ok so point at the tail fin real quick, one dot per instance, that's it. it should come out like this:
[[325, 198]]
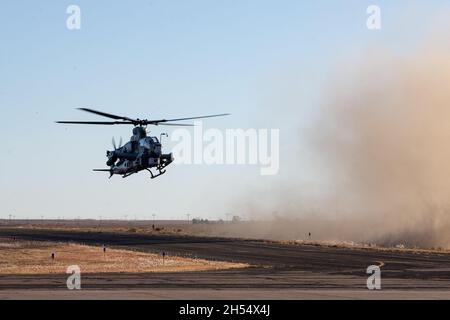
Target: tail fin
[[105, 170]]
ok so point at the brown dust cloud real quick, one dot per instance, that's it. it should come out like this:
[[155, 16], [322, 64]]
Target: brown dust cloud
[[381, 144]]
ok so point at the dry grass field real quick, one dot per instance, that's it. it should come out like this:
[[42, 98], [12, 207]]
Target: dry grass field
[[22, 258]]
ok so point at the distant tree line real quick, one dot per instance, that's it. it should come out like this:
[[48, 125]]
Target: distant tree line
[[235, 219], [200, 221]]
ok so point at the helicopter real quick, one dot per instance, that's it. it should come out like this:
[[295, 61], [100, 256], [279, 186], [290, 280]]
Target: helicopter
[[142, 152]]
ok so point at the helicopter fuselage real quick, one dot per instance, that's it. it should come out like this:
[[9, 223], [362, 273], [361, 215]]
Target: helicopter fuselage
[[140, 153]]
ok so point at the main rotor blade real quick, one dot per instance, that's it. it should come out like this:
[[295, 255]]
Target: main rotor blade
[[191, 118], [96, 122], [104, 114], [136, 122], [174, 124]]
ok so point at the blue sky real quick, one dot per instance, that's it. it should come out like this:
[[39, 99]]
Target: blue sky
[[155, 59]]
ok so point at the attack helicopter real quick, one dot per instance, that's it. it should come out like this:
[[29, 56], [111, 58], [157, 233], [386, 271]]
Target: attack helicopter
[[142, 152]]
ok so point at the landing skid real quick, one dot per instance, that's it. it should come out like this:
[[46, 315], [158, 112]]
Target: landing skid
[[160, 173], [160, 169], [153, 175]]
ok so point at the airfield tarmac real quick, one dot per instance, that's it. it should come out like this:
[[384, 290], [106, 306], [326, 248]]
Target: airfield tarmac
[[278, 271]]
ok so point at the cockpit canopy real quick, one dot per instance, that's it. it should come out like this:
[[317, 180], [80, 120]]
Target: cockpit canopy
[[149, 143]]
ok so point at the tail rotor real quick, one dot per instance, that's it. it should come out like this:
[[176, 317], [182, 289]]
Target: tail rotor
[[114, 143]]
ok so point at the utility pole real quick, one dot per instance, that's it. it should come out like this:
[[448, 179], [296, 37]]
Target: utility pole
[[188, 216], [154, 215]]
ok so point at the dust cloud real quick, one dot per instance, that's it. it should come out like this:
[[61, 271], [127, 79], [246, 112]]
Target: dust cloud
[[381, 144], [384, 139]]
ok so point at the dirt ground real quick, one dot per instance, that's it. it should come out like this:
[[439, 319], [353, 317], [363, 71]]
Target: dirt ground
[[277, 270], [28, 258]]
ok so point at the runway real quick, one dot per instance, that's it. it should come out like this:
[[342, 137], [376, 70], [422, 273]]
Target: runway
[[281, 271], [223, 294]]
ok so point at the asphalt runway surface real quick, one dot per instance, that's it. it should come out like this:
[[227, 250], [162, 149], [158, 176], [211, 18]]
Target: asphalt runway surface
[[278, 271]]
